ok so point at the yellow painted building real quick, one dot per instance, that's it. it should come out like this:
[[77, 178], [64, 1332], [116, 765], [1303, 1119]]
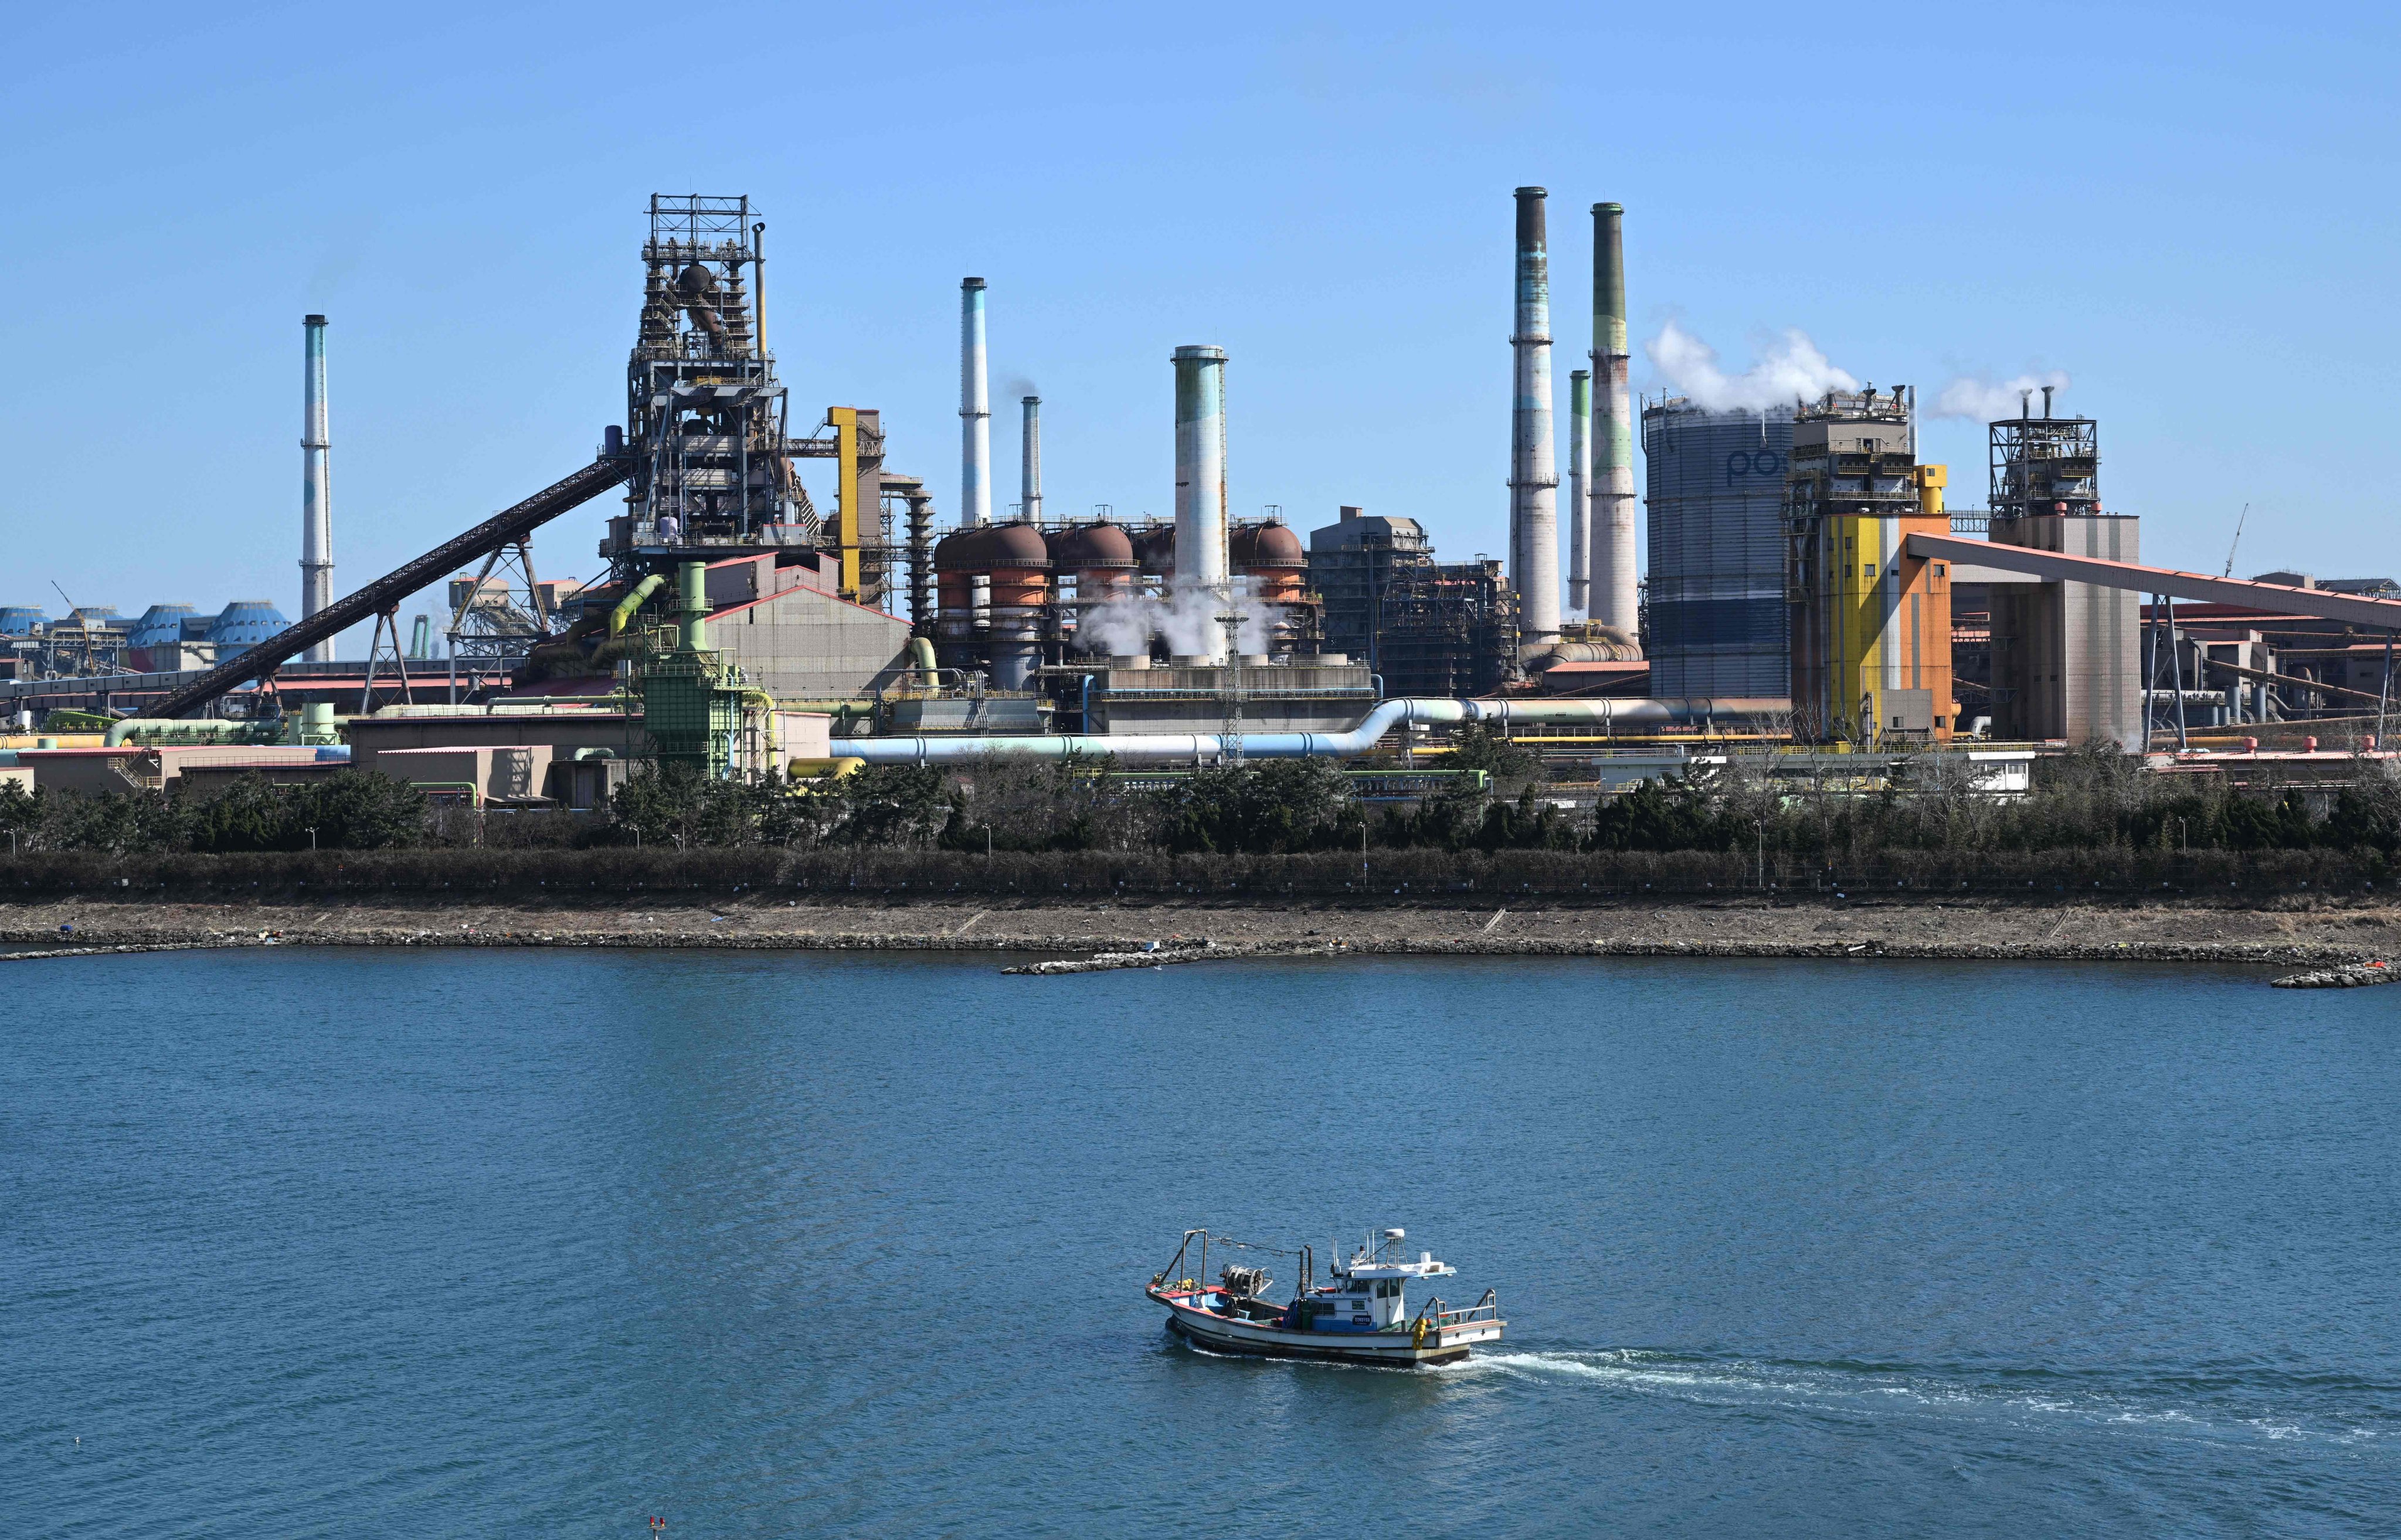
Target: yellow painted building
[[1870, 626]]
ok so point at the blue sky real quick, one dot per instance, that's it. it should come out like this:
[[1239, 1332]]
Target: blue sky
[[2189, 210]]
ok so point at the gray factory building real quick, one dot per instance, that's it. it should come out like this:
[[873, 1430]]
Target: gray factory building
[[1717, 615]]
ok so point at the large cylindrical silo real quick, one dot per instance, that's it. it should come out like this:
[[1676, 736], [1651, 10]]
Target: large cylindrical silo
[[1719, 625]]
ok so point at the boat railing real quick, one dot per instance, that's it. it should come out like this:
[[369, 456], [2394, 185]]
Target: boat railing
[[1485, 1309]]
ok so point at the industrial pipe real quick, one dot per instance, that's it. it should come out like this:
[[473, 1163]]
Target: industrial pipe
[[623, 615], [1176, 747], [692, 590], [921, 658], [119, 731]]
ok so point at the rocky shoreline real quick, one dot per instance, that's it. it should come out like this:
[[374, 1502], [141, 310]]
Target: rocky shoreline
[[2326, 933]]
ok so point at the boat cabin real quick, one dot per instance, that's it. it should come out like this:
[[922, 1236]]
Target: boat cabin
[[1368, 1292]]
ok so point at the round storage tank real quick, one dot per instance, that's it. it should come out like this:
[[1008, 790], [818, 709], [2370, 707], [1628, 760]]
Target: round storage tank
[[1155, 548], [20, 620], [162, 625], [247, 623]]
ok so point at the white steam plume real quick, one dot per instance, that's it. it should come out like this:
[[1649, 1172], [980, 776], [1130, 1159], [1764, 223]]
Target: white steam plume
[[1186, 617], [1985, 400], [1790, 368]]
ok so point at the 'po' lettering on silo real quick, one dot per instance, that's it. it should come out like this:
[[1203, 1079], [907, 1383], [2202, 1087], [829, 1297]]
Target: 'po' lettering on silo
[[1741, 465]]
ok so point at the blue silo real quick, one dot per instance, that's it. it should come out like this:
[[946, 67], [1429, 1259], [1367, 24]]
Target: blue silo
[[247, 623], [160, 625]]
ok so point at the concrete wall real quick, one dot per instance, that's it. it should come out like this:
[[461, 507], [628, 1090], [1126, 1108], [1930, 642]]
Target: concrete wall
[[802, 645], [97, 771], [804, 734], [373, 736], [494, 771]]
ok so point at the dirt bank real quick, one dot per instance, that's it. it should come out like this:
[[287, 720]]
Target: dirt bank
[[2322, 932]]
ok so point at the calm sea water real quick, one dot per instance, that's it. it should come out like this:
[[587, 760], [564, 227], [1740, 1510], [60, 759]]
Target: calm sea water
[[336, 1243]]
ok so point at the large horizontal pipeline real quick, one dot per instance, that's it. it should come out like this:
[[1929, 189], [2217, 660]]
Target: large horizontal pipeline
[[1174, 747]]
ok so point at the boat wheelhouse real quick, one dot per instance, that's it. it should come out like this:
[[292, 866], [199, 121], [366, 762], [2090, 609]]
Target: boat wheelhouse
[[1362, 1313]]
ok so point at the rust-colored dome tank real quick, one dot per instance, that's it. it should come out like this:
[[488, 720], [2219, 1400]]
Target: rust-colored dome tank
[[1021, 599], [959, 559], [1270, 555], [1155, 551], [1099, 557]]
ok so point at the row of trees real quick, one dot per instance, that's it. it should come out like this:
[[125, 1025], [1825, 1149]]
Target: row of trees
[[2096, 799], [350, 809], [2093, 801]]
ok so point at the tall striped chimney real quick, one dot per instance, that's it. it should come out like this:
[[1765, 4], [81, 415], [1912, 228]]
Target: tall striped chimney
[[316, 488], [975, 409], [1613, 600], [1200, 557], [1533, 465], [1578, 491]]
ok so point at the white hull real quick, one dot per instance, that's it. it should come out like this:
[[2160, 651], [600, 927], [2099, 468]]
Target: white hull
[[1220, 1333]]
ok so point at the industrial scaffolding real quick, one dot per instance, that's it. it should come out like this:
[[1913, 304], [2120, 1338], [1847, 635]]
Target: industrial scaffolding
[[1448, 629], [707, 419]]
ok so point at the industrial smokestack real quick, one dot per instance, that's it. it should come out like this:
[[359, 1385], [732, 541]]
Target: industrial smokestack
[[316, 488], [1613, 601], [1201, 558], [1033, 471], [1578, 491], [975, 410], [1533, 466]]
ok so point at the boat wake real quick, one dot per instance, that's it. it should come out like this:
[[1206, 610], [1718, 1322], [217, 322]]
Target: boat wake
[[2229, 1410]]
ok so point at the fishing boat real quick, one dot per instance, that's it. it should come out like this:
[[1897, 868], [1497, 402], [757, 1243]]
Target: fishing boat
[[1361, 1314]]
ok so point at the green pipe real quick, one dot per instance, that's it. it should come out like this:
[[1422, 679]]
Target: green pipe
[[693, 585], [174, 727], [623, 614], [841, 710], [921, 653], [474, 792]]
